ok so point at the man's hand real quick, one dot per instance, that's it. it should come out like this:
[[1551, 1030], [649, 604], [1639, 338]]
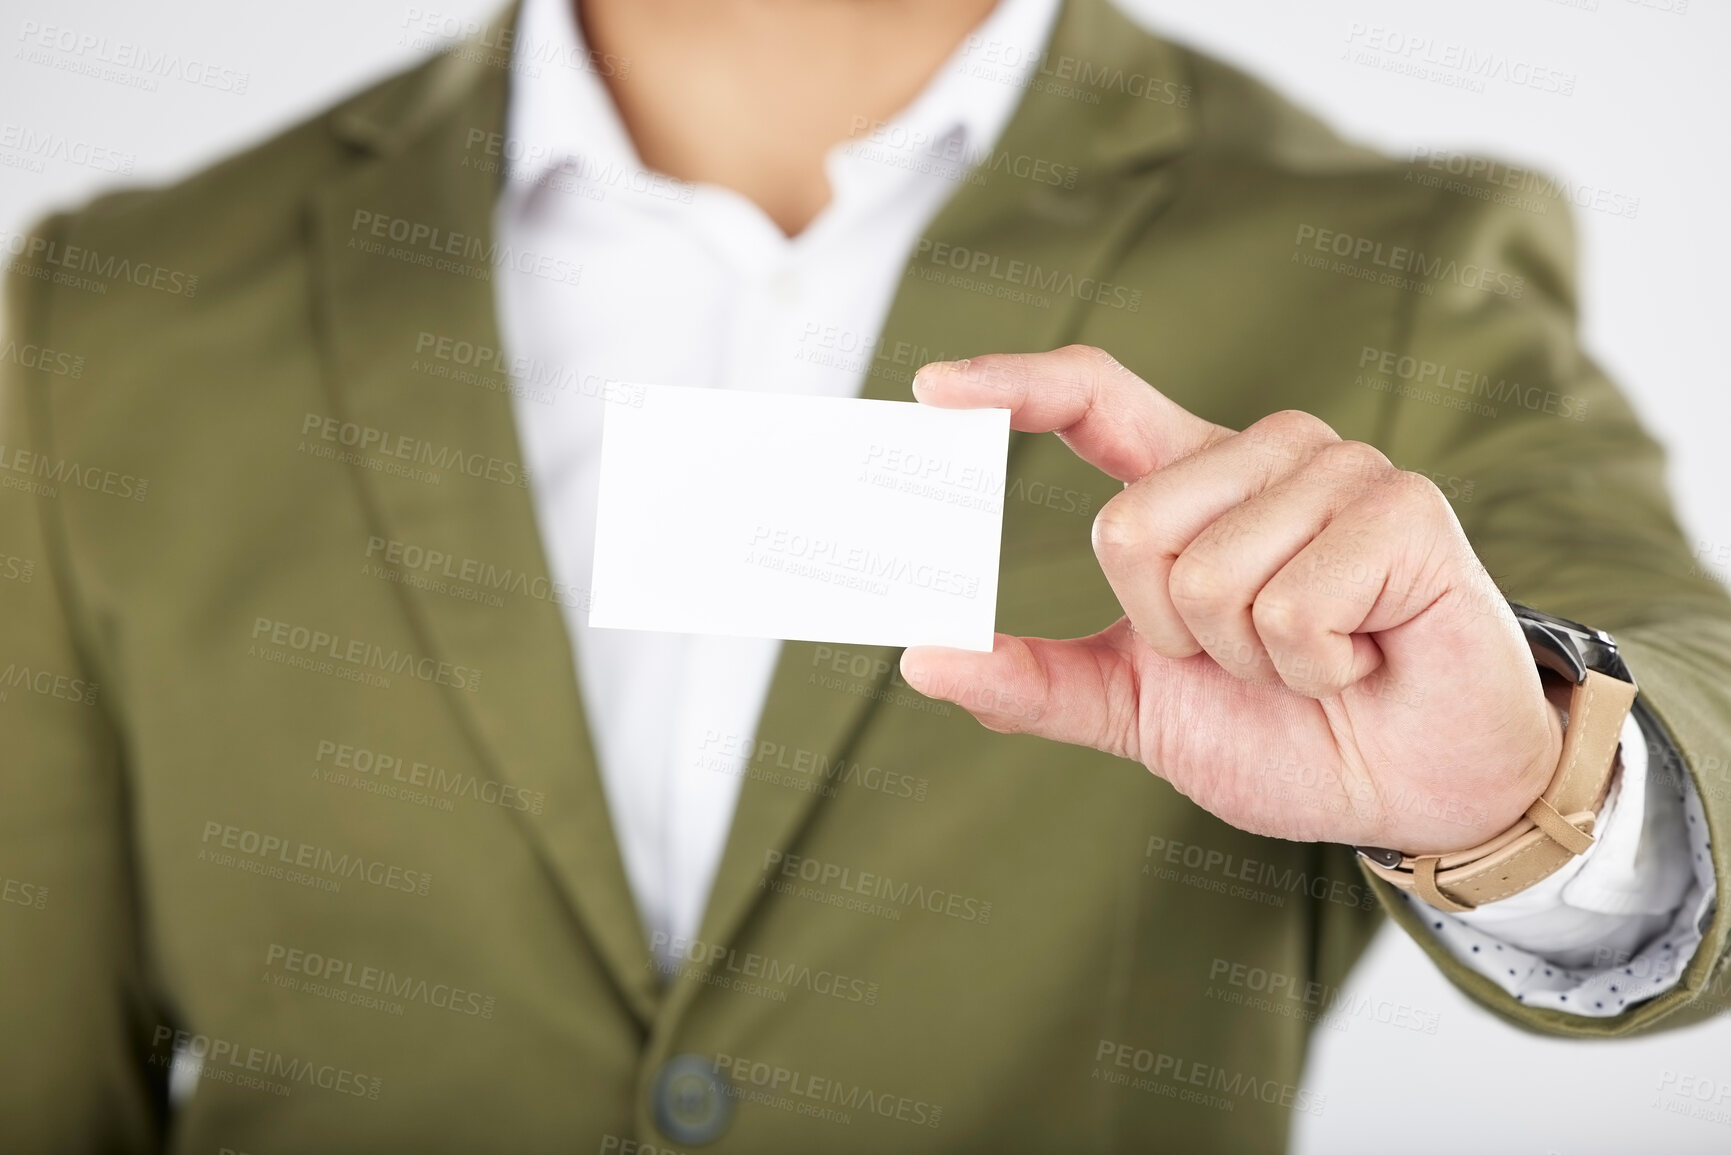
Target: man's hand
[[1310, 648]]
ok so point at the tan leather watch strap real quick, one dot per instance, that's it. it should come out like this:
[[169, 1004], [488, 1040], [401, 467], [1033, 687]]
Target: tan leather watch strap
[[1558, 825]]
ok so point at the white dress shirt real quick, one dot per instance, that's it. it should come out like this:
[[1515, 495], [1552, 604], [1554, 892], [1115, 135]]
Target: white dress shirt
[[694, 285]]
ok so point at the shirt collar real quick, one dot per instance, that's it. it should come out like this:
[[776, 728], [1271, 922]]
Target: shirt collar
[[980, 99], [561, 112], [559, 108]]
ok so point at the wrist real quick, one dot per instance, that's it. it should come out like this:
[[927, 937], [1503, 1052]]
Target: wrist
[[1523, 777], [1588, 706], [1529, 784]]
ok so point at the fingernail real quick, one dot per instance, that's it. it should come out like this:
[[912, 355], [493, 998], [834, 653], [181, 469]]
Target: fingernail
[[932, 368]]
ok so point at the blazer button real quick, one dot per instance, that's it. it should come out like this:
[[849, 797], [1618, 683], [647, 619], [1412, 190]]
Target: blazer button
[[692, 1105]]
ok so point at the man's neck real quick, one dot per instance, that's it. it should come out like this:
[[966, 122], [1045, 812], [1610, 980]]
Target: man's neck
[[751, 94]]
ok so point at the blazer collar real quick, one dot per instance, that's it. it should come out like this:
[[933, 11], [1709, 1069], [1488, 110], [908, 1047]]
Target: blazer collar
[[1107, 99], [1130, 88]]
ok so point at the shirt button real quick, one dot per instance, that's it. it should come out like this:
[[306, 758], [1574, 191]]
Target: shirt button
[[692, 1105]]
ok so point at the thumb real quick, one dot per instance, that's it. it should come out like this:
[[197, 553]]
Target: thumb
[[1081, 690]]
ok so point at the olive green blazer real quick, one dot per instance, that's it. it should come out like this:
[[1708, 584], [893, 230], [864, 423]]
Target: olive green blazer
[[296, 775]]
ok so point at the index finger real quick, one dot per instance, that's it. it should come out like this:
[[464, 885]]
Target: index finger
[[1110, 417]]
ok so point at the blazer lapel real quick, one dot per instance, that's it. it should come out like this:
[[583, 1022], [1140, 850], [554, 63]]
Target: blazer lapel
[[1064, 241], [413, 199], [377, 301]]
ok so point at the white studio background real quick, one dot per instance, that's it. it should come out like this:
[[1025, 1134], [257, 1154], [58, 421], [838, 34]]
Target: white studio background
[[1646, 120]]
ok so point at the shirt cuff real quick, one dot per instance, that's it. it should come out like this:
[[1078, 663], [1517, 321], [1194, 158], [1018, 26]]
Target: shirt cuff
[[1618, 923]]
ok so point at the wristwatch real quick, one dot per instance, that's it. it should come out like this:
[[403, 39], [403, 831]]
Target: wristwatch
[[1588, 681]]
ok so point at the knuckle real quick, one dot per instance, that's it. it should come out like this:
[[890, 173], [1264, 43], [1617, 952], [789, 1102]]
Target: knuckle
[[1308, 676], [1292, 434], [1002, 710], [1279, 617], [1354, 461], [1241, 659], [1296, 423], [998, 372], [1091, 355], [1171, 640], [1195, 580], [1074, 372], [1100, 367], [1120, 532], [1419, 494], [1084, 364], [1306, 670]]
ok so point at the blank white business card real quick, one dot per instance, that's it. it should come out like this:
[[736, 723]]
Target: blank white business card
[[804, 518]]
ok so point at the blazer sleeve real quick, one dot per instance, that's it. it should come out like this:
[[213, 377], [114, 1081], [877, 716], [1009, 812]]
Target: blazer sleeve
[[1563, 496], [74, 1073]]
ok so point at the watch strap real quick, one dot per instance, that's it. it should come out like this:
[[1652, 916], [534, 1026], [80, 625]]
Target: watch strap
[[1556, 827]]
